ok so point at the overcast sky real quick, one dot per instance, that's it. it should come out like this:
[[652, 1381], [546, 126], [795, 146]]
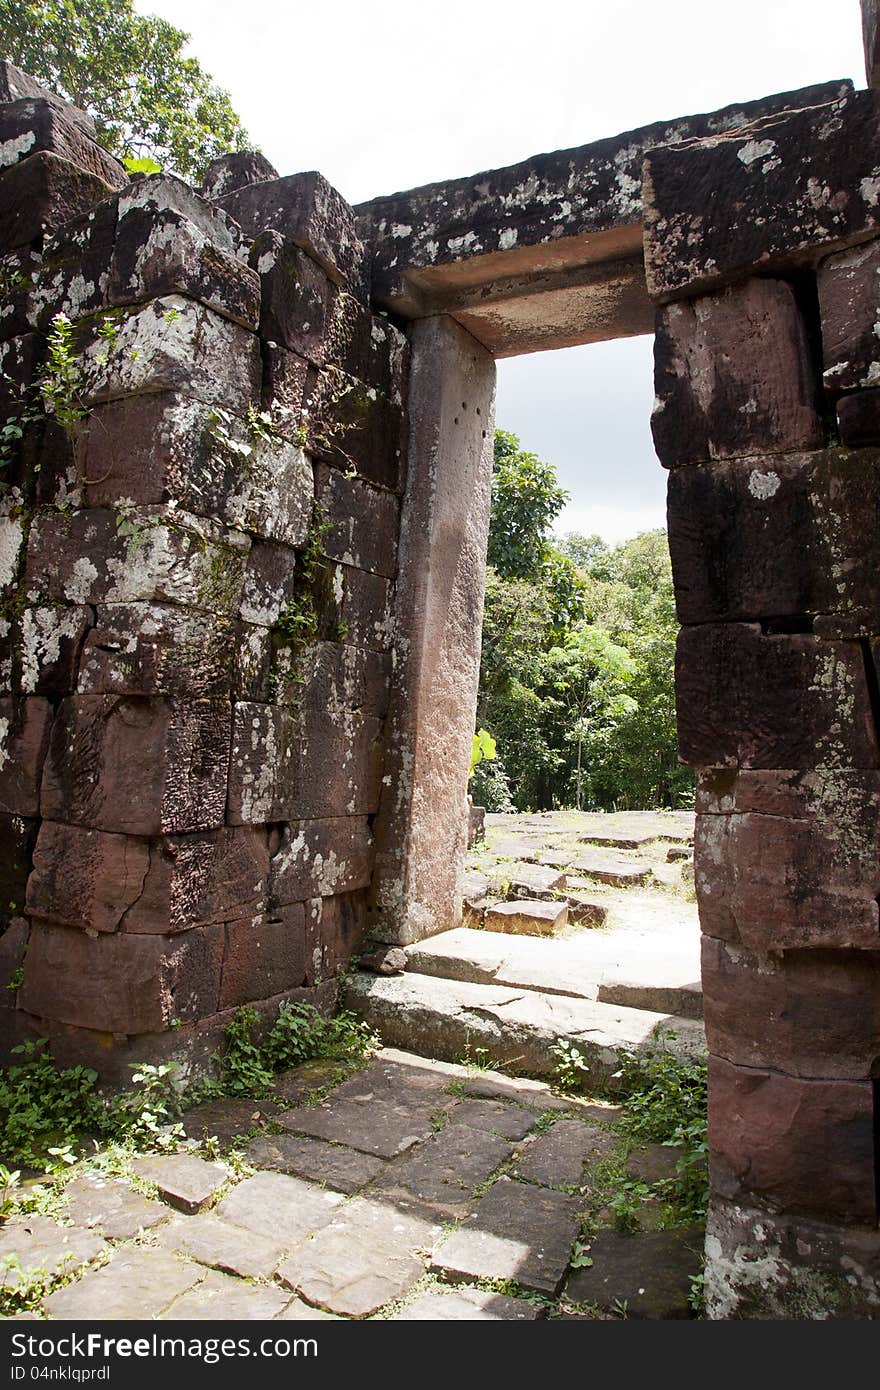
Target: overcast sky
[[384, 95]]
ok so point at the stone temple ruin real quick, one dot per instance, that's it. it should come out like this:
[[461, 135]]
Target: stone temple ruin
[[225, 764]]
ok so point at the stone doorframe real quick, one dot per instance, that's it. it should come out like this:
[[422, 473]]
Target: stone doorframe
[[749, 240]]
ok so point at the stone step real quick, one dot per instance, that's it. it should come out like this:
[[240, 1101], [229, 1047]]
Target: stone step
[[612, 968], [527, 917], [516, 1028]]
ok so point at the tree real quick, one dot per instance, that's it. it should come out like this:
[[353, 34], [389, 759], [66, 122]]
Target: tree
[[128, 71], [525, 501]]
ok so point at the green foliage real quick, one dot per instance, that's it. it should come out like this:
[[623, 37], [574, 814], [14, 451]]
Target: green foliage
[[482, 747], [301, 1033], [145, 1115], [576, 674], [44, 1107], [244, 1068], [141, 166], [9, 1184], [149, 101], [62, 379], [572, 1067], [665, 1103], [490, 787], [525, 500]]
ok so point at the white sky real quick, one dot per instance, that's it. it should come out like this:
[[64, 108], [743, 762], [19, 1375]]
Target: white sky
[[388, 94]]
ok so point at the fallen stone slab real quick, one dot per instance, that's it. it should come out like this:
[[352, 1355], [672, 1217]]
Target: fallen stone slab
[[440, 1176], [559, 1157], [380, 1127], [136, 1284], [530, 880], [184, 1181], [219, 1298], [676, 852], [467, 1305], [527, 917], [341, 1168], [38, 1243], [279, 1207], [111, 1207], [368, 1256], [586, 912], [516, 1232], [610, 868], [516, 1027], [647, 1272], [210, 1240]]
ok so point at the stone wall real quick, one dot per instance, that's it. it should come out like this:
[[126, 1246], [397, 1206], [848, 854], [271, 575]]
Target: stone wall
[[763, 252], [197, 570]]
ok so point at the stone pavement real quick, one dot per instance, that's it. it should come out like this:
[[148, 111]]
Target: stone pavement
[[413, 1189]]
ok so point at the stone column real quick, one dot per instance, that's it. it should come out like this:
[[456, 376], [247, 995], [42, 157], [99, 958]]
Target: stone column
[[765, 357], [421, 831]]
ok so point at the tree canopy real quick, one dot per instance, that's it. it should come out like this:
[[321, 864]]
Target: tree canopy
[[129, 72], [576, 678]]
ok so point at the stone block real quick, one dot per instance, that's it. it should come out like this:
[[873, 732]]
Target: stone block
[[270, 583], [102, 881], [733, 376], [183, 1180], [527, 917], [17, 836], [264, 957], [15, 84], [335, 930], [358, 603], [137, 766], [849, 299], [154, 649], [791, 1144], [320, 858], [17, 272], [75, 270], [121, 983], [858, 419], [753, 700], [218, 1244], [154, 449], [112, 1207], [800, 877], [284, 387], [41, 194], [143, 556], [650, 1273], [563, 1156], [311, 214], [265, 765], [355, 428], [33, 124], [777, 538], [160, 252], [295, 296], [781, 191], [138, 1283], [174, 344], [24, 742], [51, 640], [252, 653], [813, 1014], [368, 347], [340, 1168], [341, 771], [365, 522], [229, 172], [86, 878]]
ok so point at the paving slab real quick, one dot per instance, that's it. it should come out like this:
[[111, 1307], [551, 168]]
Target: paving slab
[[39, 1243], [510, 1121], [110, 1206], [468, 1305], [648, 1272], [293, 1086], [516, 1232], [184, 1180], [515, 1027], [369, 1255], [338, 1167], [527, 917], [279, 1207], [611, 868], [559, 1157], [297, 1311], [535, 1094], [211, 1240], [654, 1162], [375, 1126], [219, 1298], [399, 1078], [137, 1283], [226, 1119], [440, 1175]]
